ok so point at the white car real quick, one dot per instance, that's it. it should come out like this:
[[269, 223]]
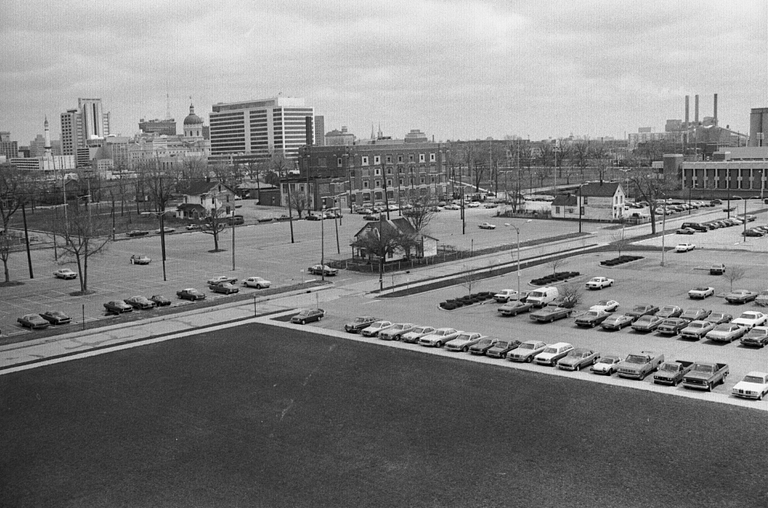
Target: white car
[[221, 279], [416, 333], [606, 365], [395, 331], [439, 337], [256, 282], [473, 204], [64, 273], [526, 351], [487, 225], [464, 341], [606, 305], [684, 247], [506, 295], [599, 283], [753, 386], [553, 353], [374, 329], [749, 319], [700, 293]]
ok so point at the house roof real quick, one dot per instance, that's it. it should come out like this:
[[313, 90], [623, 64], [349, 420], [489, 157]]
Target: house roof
[[600, 189], [400, 224], [564, 200], [199, 187], [190, 207]]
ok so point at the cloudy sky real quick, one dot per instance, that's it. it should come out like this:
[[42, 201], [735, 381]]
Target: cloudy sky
[[455, 69]]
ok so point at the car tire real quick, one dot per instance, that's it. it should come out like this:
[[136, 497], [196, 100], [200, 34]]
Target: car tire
[[578, 367], [466, 349], [529, 359], [303, 321], [709, 386]]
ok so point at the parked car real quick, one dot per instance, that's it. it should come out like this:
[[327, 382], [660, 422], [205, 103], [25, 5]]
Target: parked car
[[616, 322], [140, 259], [416, 333], [371, 217], [695, 314], [56, 317], [647, 323], [606, 365], [753, 386], [256, 282], [552, 353], [439, 337], [717, 269], [599, 283], [506, 295], [140, 302], [671, 373], [706, 375], [225, 288], [639, 365], [374, 328], [463, 341], [136, 232], [65, 273], [756, 337], [117, 307], [360, 323], [642, 310], [578, 358], [671, 326], [762, 298], [701, 292], [684, 247], [483, 345], [190, 294], [395, 331], [33, 322], [740, 296], [166, 230], [320, 269], [550, 314], [749, 319], [592, 318], [726, 332], [502, 347], [696, 329], [685, 231], [514, 308], [160, 300], [307, 316], [606, 305], [221, 278], [718, 317], [487, 225], [526, 350], [669, 311]]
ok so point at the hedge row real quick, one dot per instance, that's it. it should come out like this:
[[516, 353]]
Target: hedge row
[[555, 277], [455, 303], [619, 260]]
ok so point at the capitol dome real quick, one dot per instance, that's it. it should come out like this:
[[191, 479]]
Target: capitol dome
[[193, 124], [192, 118]]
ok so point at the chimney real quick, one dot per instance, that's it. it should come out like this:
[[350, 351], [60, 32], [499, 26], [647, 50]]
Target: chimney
[[715, 113], [687, 109], [696, 109]]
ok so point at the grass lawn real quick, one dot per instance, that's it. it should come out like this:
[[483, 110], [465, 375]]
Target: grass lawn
[[258, 416]]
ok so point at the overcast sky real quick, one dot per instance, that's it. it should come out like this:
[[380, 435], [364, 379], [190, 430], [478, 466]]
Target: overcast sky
[[453, 69]]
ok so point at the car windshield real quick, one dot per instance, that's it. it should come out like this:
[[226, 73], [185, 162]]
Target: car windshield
[[700, 289], [639, 308], [609, 359], [550, 350], [703, 368], [637, 359], [525, 345], [723, 328], [696, 325], [592, 313], [747, 315], [501, 344], [669, 367], [754, 379], [757, 333], [603, 302], [484, 342], [536, 294]]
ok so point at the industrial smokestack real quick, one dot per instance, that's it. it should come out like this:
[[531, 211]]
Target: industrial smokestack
[[715, 112], [687, 109], [696, 109]]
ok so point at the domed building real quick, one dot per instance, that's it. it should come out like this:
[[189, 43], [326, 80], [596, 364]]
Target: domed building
[[193, 124]]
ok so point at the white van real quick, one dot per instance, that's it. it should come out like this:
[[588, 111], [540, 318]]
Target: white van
[[542, 296]]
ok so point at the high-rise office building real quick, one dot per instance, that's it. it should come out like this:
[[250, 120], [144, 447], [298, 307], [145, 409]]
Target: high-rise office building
[[79, 126], [260, 127], [8, 148]]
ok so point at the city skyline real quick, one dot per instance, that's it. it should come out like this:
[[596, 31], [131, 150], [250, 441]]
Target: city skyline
[[453, 69]]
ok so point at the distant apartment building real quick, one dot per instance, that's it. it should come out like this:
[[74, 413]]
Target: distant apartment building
[[320, 130], [339, 137], [255, 129]]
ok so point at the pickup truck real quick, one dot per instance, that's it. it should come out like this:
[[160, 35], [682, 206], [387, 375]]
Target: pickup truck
[[639, 365], [705, 375], [671, 373]]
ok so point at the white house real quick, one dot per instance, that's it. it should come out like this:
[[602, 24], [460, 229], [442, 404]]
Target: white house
[[203, 199], [597, 201]]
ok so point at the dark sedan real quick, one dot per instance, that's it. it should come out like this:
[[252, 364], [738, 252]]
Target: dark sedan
[[56, 317], [320, 269], [117, 307], [592, 318], [740, 296], [308, 315], [190, 294], [671, 326], [225, 288], [482, 346], [647, 323], [33, 322], [641, 310], [160, 300], [140, 302], [514, 307], [359, 323]]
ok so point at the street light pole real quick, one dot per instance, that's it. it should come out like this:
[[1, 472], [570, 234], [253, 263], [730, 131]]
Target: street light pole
[[517, 232]]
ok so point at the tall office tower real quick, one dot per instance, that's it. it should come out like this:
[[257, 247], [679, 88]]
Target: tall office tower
[[8, 148], [320, 130], [71, 132], [95, 121], [259, 127]]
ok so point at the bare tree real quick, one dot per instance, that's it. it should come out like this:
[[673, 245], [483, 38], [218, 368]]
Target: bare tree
[[214, 224], [469, 278], [280, 166], [556, 264], [15, 190], [650, 188], [300, 202], [160, 185], [420, 215], [619, 241], [735, 274], [85, 235], [581, 156], [599, 154], [571, 294], [379, 242]]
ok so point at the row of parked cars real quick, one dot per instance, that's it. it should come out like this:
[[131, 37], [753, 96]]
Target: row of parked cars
[[690, 228], [564, 356]]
